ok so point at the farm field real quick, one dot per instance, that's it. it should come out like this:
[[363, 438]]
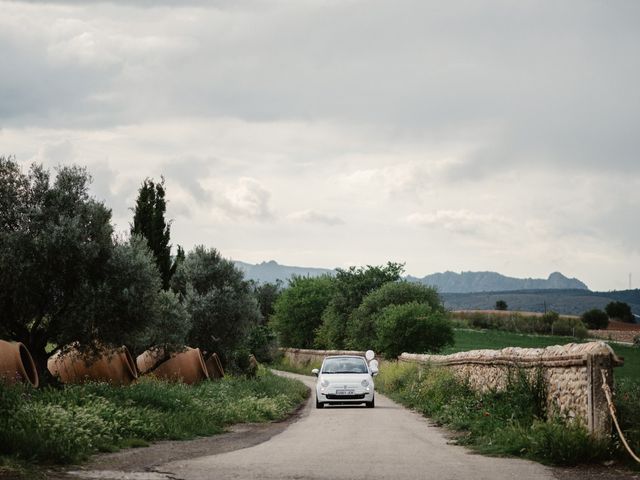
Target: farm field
[[467, 339]]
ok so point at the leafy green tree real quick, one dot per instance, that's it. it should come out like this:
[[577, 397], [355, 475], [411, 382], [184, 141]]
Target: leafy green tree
[[620, 311], [412, 327], [218, 300], [595, 319], [62, 278], [298, 310], [361, 333], [501, 305], [55, 242], [262, 342], [149, 221], [266, 295], [351, 286]]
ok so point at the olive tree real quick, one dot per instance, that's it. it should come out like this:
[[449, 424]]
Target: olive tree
[[219, 301]]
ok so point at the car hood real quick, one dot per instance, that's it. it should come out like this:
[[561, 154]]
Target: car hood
[[344, 377]]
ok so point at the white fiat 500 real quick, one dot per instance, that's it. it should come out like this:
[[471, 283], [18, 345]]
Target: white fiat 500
[[344, 380]]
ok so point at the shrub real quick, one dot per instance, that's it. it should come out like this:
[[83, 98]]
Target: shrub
[[511, 422], [261, 341], [595, 319], [501, 305], [361, 326], [620, 311], [66, 425], [412, 327], [298, 310], [570, 327]]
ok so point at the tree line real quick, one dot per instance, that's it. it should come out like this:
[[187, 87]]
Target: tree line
[[362, 308], [67, 278]]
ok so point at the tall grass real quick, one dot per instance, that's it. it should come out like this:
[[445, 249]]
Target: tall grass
[[511, 422], [60, 426]]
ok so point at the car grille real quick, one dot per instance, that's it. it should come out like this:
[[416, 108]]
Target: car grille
[[345, 397]]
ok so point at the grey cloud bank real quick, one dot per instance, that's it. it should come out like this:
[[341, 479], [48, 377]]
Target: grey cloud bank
[[471, 135]]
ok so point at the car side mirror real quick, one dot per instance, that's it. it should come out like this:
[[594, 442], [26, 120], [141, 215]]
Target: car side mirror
[[315, 371]]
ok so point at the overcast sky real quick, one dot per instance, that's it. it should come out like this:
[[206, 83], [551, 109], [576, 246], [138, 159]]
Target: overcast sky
[[469, 135]]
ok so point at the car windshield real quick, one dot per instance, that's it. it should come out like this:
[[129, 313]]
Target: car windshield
[[344, 365]]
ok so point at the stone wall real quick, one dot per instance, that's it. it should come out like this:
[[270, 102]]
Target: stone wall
[[572, 374]]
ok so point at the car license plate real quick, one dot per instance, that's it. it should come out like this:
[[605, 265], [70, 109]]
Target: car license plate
[[344, 392]]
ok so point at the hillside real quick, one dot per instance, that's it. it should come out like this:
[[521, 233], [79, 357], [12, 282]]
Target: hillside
[[568, 302], [272, 271], [467, 282]]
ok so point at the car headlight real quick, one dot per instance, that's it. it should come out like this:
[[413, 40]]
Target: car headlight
[[365, 383], [324, 383]]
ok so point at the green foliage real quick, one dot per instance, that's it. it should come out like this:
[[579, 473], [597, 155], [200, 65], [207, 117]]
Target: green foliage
[[620, 311], [351, 286], [627, 401], [412, 327], [262, 342], [570, 327], [298, 310], [218, 300], [361, 327], [522, 323], [501, 305], [55, 245], [595, 319], [149, 221], [66, 425], [266, 295], [512, 422]]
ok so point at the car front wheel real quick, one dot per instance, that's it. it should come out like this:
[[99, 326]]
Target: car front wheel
[[371, 404], [319, 404]]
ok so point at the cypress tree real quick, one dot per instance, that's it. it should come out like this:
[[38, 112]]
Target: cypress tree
[[149, 221]]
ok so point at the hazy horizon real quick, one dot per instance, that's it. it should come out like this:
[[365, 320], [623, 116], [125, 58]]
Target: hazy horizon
[[466, 136]]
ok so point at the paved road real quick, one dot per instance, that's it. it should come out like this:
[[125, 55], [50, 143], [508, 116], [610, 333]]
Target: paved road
[[388, 442]]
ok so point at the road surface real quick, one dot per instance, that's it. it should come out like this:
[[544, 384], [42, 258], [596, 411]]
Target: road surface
[[388, 442]]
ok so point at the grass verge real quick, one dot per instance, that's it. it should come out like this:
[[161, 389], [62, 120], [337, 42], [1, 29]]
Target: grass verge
[[62, 426], [304, 369], [497, 423]]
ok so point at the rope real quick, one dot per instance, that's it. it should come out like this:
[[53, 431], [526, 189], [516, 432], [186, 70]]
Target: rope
[[612, 411]]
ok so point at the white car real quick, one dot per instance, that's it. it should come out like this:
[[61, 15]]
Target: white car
[[345, 379]]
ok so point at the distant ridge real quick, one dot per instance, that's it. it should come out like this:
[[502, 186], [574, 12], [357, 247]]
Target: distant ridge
[[447, 282], [469, 282], [272, 271]]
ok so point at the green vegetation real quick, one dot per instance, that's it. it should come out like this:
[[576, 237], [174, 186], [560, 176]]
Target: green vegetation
[[595, 319], [350, 288], [549, 323], [501, 305], [303, 369], [361, 330], [411, 327], [298, 310], [149, 222], [67, 425], [498, 423], [620, 311]]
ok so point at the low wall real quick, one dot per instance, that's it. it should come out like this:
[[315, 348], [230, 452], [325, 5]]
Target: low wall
[[572, 374], [616, 335]]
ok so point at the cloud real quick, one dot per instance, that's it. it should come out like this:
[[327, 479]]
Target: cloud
[[459, 221], [312, 216], [247, 198]]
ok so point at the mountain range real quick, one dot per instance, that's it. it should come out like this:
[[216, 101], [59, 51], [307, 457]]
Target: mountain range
[[447, 282]]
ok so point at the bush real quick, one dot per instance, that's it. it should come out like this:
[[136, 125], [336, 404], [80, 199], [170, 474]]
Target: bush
[[298, 310], [261, 341], [67, 425], [510, 422], [620, 311], [570, 327], [501, 305], [361, 326], [595, 319], [412, 327]]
